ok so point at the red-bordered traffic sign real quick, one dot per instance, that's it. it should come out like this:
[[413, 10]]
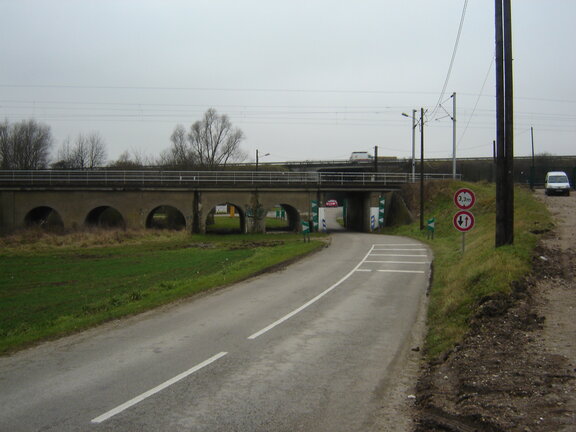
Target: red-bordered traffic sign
[[463, 221], [464, 198]]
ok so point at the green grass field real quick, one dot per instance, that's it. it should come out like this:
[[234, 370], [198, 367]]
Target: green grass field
[[53, 285], [225, 224], [461, 281]]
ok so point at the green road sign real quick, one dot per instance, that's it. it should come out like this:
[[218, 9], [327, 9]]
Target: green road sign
[[381, 208], [315, 212]]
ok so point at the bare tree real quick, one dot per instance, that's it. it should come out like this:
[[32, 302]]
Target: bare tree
[[180, 152], [214, 142], [210, 143], [133, 159], [24, 145], [5, 146], [96, 150], [65, 155], [86, 152]]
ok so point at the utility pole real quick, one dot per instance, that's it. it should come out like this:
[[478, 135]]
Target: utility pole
[[509, 110], [421, 169], [533, 168], [413, 145], [375, 159], [494, 162], [454, 135], [500, 195], [504, 125]]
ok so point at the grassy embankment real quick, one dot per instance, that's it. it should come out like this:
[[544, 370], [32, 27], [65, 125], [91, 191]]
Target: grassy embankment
[[461, 281], [52, 285]]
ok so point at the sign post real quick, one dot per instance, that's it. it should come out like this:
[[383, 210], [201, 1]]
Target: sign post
[[463, 219], [431, 226], [306, 231]]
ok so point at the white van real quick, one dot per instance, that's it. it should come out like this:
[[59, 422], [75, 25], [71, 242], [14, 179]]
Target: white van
[[557, 183]]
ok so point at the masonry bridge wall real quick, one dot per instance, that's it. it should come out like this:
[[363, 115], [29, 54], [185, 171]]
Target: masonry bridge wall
[[77, 207]]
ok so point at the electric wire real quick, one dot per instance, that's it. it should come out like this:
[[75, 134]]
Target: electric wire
[[476, 104], [454, 51]]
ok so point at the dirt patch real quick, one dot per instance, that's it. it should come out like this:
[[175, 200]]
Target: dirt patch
[[516, 370]]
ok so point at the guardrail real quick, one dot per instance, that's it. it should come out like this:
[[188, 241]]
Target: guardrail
[[202, 178]]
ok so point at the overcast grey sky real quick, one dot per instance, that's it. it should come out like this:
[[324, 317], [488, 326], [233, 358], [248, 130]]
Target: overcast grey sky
[[312, 79]]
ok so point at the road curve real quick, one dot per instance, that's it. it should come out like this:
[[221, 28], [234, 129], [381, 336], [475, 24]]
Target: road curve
[[309, 348]]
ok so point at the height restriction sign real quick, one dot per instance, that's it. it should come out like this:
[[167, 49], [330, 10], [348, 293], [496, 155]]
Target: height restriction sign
[[464, 199], [463, 221]]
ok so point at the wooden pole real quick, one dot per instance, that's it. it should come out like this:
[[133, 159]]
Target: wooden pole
[[500, 166], [509, 121]]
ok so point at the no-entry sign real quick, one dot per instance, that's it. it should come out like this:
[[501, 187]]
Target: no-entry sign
[[463, 221], [464, 199]]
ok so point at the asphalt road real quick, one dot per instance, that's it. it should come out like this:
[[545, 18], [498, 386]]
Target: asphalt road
[[310, 348]]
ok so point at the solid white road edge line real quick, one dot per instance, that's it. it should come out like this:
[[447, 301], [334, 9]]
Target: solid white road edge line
[[401, 271], [398, 244], [156, 389], [314, 300], [398, 262], [399, 249], [398, 255]]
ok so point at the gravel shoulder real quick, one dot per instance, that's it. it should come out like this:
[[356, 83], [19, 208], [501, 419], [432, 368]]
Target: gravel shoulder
[[516, 370]]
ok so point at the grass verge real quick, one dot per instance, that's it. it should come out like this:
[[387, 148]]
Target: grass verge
[[52, 285], [462, 281]]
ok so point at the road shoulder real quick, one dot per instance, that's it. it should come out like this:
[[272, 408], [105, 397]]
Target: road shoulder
[[515, 371]]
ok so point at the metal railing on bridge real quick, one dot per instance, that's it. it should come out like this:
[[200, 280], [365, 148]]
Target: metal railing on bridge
[[203, 178]]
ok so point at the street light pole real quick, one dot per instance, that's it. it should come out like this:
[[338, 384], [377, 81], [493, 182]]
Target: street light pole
[[264, 155], [454, 135], [533, 168], [413, 142]]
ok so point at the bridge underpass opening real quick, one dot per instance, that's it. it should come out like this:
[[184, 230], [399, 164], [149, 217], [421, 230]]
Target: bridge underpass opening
[[332, 212], [355, 212], [44, 217], [349, 215], [166, 217], [105, 217], [282, 217], [226, 218]]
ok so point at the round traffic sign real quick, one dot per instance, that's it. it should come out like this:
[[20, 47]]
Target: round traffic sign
[[463, 221], [464, 198]]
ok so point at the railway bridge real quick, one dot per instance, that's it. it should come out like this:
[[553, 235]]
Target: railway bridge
[[71, 199]]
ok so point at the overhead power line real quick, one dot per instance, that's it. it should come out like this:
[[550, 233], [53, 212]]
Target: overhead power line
[[454, 51]]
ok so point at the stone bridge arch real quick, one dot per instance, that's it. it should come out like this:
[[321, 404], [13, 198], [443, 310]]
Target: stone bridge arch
[[105, 217], [238, 209], [165, 217], [44, 217], [207, 201], [297, 206]]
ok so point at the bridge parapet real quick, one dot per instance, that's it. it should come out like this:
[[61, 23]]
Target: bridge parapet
[[192, 179]]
